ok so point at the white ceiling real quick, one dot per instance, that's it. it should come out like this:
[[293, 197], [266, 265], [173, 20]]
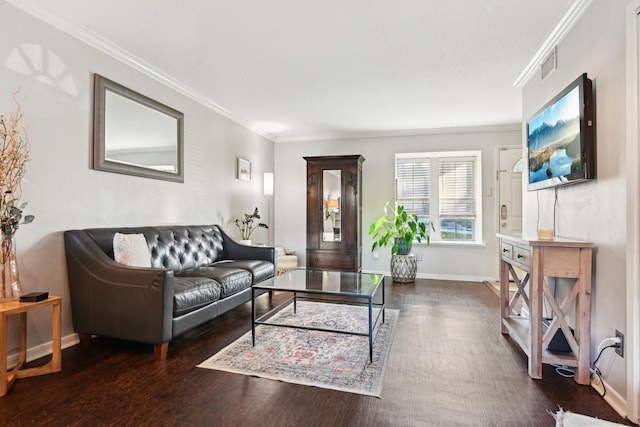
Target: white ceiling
[[301, 69]]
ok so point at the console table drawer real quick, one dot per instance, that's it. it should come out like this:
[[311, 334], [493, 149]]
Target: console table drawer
[[522, 256], [507, 251]]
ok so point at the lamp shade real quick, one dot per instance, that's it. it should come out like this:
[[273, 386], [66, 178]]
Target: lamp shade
[[332, 204], [268, 183]]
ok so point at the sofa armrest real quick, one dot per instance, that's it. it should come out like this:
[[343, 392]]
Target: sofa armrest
[[111, 299], [236, 251]]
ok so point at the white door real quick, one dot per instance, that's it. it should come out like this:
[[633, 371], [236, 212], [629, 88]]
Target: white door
[[510, 190]]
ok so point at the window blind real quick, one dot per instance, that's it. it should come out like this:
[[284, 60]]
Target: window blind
[[456, 176], [413, 185]]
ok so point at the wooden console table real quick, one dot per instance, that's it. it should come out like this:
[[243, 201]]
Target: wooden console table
[[539, 259], [21, 308]]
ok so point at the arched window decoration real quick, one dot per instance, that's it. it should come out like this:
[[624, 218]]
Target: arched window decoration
[[517, 167]]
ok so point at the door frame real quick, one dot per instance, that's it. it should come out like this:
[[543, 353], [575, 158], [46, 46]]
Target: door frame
[[632, 344]]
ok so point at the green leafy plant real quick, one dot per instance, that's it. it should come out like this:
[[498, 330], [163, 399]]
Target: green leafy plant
[[11, 216], [395, 226], [247, 226]]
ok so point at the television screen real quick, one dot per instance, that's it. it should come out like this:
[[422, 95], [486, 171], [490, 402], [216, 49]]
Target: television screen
[[560, 138]]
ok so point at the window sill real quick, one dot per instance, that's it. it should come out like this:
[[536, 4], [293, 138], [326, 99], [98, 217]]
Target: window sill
[[453, 244]]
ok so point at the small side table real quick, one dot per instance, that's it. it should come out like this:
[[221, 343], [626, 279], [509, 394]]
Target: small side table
[[21, 308]]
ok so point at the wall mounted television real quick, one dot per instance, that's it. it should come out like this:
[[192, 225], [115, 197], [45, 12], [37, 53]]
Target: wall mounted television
[[560, 138]]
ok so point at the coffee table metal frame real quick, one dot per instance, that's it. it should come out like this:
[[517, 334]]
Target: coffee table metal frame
[[320, 295]]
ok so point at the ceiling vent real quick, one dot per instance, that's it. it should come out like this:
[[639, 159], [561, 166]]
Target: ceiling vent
[[548, 66]]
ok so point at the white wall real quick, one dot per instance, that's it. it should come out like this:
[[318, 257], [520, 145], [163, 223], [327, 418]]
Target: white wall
[[439, 261], [593, 211], [55, 75]]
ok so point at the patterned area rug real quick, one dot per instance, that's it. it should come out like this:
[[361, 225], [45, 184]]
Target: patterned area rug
[[322, 359]]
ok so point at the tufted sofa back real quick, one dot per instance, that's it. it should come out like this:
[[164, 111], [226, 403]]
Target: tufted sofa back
[[178, 247]]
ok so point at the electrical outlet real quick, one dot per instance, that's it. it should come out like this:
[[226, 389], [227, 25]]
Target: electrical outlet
[[418, 256], [620, 347]]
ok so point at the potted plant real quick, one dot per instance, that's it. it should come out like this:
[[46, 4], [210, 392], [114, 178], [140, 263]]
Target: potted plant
[[399, 228], [247, 226]]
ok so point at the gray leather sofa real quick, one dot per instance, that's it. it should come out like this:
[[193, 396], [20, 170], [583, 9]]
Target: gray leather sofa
[[197, 273]]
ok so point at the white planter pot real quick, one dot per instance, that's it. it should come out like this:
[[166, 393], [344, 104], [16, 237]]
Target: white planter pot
[[403, 268], [246, 242]]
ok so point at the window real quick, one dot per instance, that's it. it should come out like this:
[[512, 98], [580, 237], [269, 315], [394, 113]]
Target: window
[[444, 188]]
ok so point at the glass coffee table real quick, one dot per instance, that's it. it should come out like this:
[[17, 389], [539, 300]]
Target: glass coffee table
[[338, 287]]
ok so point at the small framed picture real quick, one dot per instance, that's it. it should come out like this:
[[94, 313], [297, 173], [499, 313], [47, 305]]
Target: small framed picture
[[244, 169]]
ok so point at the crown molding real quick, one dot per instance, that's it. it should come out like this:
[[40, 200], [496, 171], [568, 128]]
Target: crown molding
[[94, 40], [511, 127], [568, 20]]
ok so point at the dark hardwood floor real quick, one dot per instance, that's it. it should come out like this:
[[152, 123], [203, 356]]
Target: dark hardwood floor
[[448, 366]]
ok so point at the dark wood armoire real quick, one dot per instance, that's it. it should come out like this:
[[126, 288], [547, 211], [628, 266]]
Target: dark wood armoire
[[334, 212]]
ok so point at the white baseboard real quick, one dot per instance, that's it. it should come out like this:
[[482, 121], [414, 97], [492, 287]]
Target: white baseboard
[[441, 276], [42, 350], [612, 397], [455, 277]]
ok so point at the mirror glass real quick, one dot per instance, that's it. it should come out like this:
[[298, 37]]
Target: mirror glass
[[332, 207], [136, 135]]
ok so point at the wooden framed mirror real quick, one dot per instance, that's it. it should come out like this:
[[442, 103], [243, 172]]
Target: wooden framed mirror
[[136, 135]]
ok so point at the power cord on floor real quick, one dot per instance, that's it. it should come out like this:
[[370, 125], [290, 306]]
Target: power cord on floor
[[569, 372], [595, 371], [565, 371]]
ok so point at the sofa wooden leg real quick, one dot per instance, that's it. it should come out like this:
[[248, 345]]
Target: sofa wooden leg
[[160, 351], [85, 340]]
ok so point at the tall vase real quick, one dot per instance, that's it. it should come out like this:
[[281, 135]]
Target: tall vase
[[10, 284]]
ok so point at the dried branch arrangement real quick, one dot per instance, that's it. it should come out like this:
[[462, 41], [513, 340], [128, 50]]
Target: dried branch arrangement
[[14, 154]]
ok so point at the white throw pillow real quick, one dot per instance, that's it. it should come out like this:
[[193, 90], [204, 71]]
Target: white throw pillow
[[131, 249]]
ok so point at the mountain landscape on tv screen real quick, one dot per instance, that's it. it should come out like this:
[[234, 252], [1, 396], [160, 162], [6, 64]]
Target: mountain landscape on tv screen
[[554, 149]]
